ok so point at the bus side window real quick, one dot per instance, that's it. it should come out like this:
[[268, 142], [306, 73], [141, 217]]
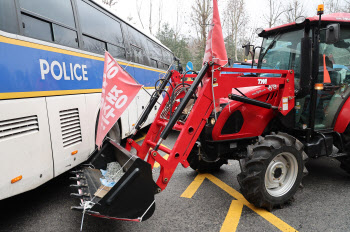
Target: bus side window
[[138, 47], [116, 51], [167, 58], [8, 17], [49, 20], [36, 28], [100, 30], [94, 45], [155, 52]]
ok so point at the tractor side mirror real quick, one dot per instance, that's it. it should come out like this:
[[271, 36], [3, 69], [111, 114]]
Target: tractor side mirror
[[332, 33], [246, 49]]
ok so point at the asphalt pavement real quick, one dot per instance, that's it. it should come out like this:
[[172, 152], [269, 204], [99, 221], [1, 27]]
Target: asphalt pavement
[[194, 202]]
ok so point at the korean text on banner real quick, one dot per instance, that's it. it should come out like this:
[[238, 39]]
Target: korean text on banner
[[215, 47], [118, 90]]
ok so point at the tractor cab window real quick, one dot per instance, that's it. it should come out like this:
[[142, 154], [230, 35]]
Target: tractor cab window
[[282, 51]]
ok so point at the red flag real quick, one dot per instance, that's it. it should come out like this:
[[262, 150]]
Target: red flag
[[215, 48], [118, 90]]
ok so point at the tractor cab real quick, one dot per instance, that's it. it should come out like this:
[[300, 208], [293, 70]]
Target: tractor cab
[[322, 74]]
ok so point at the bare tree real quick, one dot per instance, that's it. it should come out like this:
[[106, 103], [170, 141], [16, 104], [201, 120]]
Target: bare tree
[[346, 8], [234, 19], [150, 16], [201, 11], [294, 10], [333, 6], [274, 13], [138, 10], [110, 3], [160, 14]]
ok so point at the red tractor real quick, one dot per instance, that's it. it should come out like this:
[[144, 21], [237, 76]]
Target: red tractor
[[294, 106]]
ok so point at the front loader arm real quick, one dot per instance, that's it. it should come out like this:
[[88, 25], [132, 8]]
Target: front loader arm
[[222, 81], [132, 196]]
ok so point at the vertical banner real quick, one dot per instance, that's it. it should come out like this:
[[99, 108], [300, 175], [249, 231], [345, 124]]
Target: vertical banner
[[118, 90], [215, 47]]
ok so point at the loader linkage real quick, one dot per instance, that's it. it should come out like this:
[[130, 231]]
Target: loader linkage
[[188, 102]]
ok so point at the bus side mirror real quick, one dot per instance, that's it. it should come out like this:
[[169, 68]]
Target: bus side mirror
[[332, 33]]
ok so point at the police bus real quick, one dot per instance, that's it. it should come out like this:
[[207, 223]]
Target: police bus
[[51, 66]]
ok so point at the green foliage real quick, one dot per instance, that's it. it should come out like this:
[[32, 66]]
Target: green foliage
[[175, 42]]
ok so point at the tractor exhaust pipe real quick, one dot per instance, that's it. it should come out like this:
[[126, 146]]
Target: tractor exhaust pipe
[[132, 196]]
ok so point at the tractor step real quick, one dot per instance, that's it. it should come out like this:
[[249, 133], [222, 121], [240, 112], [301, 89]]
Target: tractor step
[[131, 198]]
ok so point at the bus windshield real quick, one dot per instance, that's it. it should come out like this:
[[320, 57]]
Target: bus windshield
[[282, 51]]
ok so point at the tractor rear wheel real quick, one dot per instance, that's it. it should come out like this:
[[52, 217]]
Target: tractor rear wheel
[[272, 171], [201, 163]]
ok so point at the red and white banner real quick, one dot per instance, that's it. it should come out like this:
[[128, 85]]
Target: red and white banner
[[118, 90], [215, 48]]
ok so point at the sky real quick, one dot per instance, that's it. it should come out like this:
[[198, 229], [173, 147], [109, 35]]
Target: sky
[[254, 10]]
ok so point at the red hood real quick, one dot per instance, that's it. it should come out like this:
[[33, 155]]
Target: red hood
[[335, 17]]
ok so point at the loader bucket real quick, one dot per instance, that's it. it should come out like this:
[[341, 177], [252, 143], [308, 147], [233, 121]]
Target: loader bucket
[[131, 198]]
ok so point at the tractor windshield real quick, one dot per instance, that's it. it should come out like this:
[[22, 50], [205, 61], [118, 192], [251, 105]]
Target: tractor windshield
[[282, 51]]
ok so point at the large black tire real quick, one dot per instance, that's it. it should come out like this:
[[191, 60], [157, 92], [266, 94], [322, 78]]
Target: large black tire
[[272, 171], [199, 162]]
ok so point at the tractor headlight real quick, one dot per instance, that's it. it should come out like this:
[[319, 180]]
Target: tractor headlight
[[212, 121]]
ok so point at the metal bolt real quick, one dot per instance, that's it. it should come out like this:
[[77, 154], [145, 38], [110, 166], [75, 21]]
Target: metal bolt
[[291, 71], [159, 190], [280, 108], [215, 79], [219, 68], [287, 80], [154, 153], [165, 179], [290, 98]]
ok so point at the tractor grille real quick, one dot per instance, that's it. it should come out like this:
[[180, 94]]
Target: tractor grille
[[70, 127], [18, 127]]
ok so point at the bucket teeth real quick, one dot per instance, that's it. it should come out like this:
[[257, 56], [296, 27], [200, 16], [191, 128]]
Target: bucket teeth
[[81, 186], [84, 196], [77, 178]]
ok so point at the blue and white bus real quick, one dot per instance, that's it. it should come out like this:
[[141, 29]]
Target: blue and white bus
[[51, 66]]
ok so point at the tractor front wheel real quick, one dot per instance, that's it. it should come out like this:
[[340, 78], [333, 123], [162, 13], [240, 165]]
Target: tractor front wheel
[[272, 171]]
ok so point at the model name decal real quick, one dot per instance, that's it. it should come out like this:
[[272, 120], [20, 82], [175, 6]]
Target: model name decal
[[262, 81]]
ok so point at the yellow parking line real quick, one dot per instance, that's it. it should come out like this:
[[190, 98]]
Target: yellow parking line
[[140, 139], [192, 188], [232, 217]]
